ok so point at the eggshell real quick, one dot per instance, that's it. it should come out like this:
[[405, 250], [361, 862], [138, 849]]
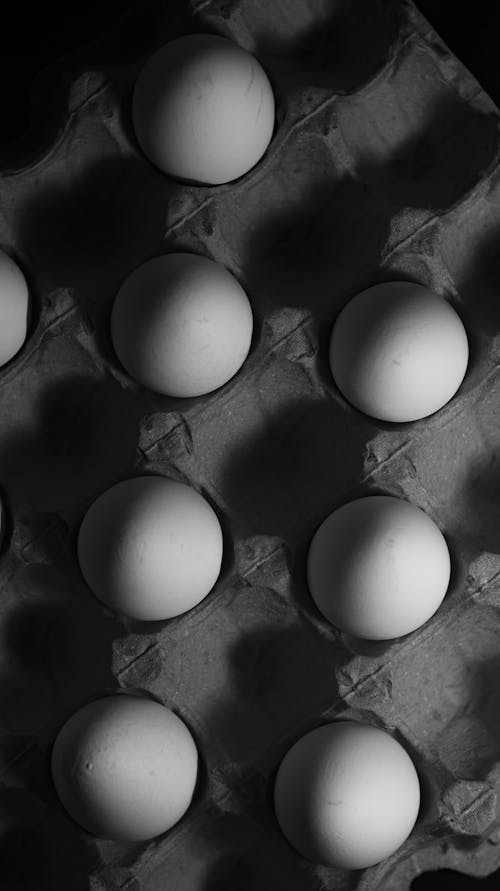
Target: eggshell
[[181, 325], [378, 567], [203, 109], [347, 795], [125, 768], [14, 301], [398, 352], [150, 547]]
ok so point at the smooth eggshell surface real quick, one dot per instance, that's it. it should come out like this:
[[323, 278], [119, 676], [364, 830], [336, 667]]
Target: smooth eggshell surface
[[378, 567], [125, 768], [203, 109], [347, 795], [14, 301], [150, 548], [398, 352], [181, 325]]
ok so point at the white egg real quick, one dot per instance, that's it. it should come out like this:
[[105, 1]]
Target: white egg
[[125, 768], [150, 548], [347, 795], [203, 109], [398, 352], [14, 300], [181, 325], [378, 567]]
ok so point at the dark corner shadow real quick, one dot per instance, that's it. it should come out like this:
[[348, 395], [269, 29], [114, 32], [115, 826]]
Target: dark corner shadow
[[320, 44], [331, 242], [38, 849], [122, 35], [450, 880]]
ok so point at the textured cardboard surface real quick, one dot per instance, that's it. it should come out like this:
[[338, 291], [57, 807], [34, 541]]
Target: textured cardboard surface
[[384, 165]]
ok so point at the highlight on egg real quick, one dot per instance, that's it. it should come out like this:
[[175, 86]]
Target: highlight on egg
[[150, 548], [125, 768], [346, 795], [378, 567], [203, 109], [398, 352], [14, 306], [181, 325]]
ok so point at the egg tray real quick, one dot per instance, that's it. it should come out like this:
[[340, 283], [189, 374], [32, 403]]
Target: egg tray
[[384, 165]]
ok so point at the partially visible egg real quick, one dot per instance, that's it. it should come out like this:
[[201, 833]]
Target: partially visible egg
[[150, 548], [398, 352], [347, 795], [14, 301], [181, 325], [203, 109], [378, 567], [125, 768]]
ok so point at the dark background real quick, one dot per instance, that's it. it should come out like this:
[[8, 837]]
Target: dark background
[[33, 41], [34, 38]]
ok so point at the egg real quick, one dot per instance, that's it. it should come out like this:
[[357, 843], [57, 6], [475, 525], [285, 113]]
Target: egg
[[181, 325], [203, 109], [125, 768], [14, 300], [398, 352], [378, 567], [150, 548], [346, 795]]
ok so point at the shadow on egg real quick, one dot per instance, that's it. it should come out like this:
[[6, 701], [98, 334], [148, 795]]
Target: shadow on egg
[[33, 313], [431, 782]]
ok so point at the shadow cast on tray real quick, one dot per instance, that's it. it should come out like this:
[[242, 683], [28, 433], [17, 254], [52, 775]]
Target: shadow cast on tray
[[319, 44], [56, 638], [303, 458], [450, 880], [88, 228], [332, 242]]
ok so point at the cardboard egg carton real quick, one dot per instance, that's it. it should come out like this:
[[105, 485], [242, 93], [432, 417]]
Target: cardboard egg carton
[[384, 165]]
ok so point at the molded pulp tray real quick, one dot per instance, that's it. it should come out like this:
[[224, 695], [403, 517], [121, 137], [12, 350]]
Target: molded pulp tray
[[384, 165]]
